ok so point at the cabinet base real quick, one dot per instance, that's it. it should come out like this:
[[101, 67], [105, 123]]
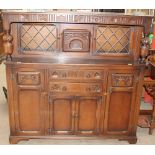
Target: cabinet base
[[16, 139]]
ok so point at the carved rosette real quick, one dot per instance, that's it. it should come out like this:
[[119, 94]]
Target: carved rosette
[[7, 43], [68, 74], [70, 88]]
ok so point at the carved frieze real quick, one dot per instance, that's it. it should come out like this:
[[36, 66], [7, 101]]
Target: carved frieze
[[7, 44], [72, 17], [76, 74], [122, 80], [80, 88], [28, 78]]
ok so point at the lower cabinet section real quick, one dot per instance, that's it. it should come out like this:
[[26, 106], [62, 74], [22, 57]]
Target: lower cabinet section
[[74, 115], [91, 108]]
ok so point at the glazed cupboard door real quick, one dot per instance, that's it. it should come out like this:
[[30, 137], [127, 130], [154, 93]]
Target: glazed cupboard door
[[61, 110], [120, 102], [87, 116], [28, 102]]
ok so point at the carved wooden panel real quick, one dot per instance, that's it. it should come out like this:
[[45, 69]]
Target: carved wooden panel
[[38, 37], [76, 74], [57, 87], [112, 39], [76, 40], [122, 80], [28, 78]]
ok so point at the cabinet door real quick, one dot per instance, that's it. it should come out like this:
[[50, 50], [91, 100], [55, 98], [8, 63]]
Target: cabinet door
[[119, 103], [87, 116], [28, 102], [61, 110]]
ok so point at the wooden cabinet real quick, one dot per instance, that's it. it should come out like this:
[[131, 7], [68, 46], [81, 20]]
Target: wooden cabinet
[[120, 102], [28, 101], [73, 76]]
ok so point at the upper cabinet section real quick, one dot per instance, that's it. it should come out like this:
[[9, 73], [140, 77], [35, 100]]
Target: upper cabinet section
[[73, 35]]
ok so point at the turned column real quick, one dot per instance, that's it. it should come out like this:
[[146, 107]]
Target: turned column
[[7, 44], [144, 49]]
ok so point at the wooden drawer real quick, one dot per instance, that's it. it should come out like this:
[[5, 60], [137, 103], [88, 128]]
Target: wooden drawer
[[76, 74], [76, 88], [122, 80], [28, 78]]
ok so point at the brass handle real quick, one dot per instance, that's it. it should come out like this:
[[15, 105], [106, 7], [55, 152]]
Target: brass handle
[[54, 74], [97, 75]]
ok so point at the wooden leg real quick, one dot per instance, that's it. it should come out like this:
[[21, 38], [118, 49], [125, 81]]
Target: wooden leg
[[150, 131], [152, 126], [15, 140], [132, 141]]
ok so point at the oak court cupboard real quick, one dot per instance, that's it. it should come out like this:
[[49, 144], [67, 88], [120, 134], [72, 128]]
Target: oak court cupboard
[[73, 75]]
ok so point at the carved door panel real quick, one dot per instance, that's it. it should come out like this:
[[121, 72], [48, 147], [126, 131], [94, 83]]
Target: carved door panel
[[119, 103], [87, 116], [61, 111], [28, 102]]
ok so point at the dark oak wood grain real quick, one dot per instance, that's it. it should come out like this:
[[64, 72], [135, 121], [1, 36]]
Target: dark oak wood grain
[[73, 75]]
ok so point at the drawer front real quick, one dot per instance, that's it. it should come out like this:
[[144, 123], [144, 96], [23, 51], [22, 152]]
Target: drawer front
[[28, 78], [76, 88], [122, 80], [76, 74]]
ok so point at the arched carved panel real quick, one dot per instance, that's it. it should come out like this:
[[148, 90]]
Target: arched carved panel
[[76, 40]]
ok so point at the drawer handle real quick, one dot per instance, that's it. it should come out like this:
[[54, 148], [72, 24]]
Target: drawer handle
[[54, 74], [97, 75]]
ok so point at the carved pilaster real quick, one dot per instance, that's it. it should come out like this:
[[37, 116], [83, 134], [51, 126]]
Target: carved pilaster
[[7, 44]]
